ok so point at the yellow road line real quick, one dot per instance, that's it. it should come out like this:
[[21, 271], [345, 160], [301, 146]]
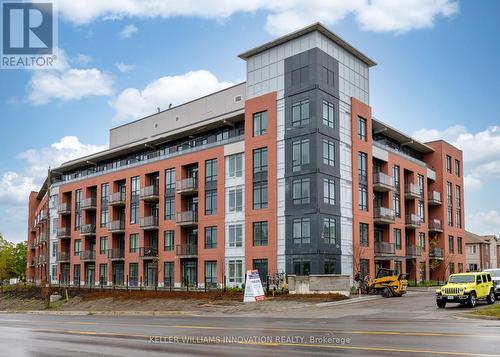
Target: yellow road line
[[280, 344]]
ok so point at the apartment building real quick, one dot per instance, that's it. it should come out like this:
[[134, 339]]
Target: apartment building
[[286, 172], [482, 252]]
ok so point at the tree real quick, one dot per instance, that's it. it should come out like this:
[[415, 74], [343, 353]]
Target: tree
[[12, 259]]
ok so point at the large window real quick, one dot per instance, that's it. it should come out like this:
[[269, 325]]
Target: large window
[[134, 243], [103, 274], [329, 266], [134, 205], [169, 239], [328, 152], [451, 246], [459, 245], [363, 234], [168, 273], [300, 113], [170, 179], [300, 75], [235, 237], [260, 195], [235, 196], [450, 203], [329, 232], [261, 266], [329, 191], [210, 237], [169, 208], [134, 274], [457, 168], [211, 170], [235, 271], [78, 212], [260, 233], [301, 266], [103, 245], [300, 154], [301, 230], [363, 197], [77, 247], [361, 129], [104, 205], [421, 240], [421, 211], [448, 163], [397, 238], [260, 160], [260, 123], [211, 272], [362, 164], [458, 209], [328, 114], [210, 202], [301, 191], [236, 165]]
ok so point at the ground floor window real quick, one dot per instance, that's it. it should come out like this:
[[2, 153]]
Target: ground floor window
[[168, 269], [262, 266], [329, 266], [103, 274], [211, 272], [76, 274], [397, 268], [235, 271], [134, 274], [301, 266], [364, 267]]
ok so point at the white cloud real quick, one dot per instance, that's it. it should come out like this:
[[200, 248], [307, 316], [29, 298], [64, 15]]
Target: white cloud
[[135, 103], [124, 67], [484, 222], [15, 188], [282, 15], [128, 31], [83, 59]]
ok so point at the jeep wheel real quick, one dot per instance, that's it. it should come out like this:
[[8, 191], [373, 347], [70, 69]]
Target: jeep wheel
[[472, 301], [441, 304], [491, 297]]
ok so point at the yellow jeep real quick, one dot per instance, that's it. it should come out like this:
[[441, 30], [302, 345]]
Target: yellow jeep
[[466, 288]]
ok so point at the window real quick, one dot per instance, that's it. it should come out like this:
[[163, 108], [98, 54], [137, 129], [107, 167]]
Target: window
[[78, 213], [211, 170], [421, 240], [421, 211], [363, 234], [328, 114], [460, 268], [363, 197], [76, 274], [301, 230], [328, 76], [236, 165], [457, 168], [397, 238], [260, 123], [451, 246], [363, 188], [398, 267], [103, 274], [168, 273], [459, 245], [170, 179], [210, 237], [77, 247], [362, 164], [235, 270], [329, 232], [329, 266], [134, 243], [300, 75], [361, 129], [395, 175], [300, 154], [260, 160], [397, 204], [134, 274], [301, 266], [472, 249], [452, 268], [329, 191], [301, 191], [103, 248], [448, 163], [259, 195], [260, 233], [261, 266], [168, 240], [364, 267], [134, 206], [210, 202], [450, 203], [211, 272], [54, 249], [328, 152], [169, 208], [300, 113], [235, 199], [53, 272], [104, 205], [458, 217], [235, 237]]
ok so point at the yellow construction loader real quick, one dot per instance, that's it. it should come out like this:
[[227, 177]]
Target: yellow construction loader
[[387, 284]]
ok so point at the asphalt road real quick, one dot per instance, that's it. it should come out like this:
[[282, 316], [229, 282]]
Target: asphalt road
[[387, 327]]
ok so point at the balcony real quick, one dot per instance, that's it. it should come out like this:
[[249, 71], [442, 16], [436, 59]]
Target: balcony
[[187, 186], [87, 230], [87, 255], [148, 252], [150, 193], [64, 208], [412, 221], [384, 248], [413, 251], [63, 232], [436, 253], [383, 215], [187, 218], [186, 250], [32, 262], [434, 198], [63, 257], [382, 182], [435, 226], [149, 223], [116, 226], [116, 254], [117, 199], [40, 260], [412, 191], [44, 214], [89, 204]]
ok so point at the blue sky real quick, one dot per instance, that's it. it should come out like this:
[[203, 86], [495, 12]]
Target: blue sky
[[438, 75]]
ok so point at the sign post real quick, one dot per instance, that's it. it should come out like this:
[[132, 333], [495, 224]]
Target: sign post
[[253, 287]]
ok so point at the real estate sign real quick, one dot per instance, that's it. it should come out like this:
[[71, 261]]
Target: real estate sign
[[253, 287]]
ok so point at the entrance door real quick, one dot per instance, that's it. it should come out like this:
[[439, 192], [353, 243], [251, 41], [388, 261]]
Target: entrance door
[[118, 273], [90, 275], [151, 271], [64, 274], [190, 272]]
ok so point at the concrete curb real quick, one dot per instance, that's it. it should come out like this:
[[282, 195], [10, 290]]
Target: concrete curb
[[101, 313], [423, 290], [349, 301]]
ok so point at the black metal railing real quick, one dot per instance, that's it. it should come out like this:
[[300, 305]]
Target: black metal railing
[[186, 250]]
